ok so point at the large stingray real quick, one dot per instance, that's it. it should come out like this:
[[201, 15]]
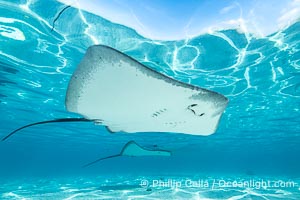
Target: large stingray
[[132, 149], [112, 89]]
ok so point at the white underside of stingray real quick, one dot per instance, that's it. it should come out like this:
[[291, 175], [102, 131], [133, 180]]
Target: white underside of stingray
[[123, 94]]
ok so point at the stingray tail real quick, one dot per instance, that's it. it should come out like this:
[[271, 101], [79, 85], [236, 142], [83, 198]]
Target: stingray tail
[[59, 14], [47, 122], [94, 162]]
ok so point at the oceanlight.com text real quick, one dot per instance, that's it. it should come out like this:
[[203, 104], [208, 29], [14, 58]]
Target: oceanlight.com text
[[219, 183]]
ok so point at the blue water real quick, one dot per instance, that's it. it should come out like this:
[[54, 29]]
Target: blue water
[[258, 137]]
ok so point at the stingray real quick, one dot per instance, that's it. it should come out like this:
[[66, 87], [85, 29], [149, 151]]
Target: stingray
[[132, 149], [112, 89]]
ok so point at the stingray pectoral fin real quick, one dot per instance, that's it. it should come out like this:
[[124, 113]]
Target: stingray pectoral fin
[[100, 159], [111, 130], [47, 122]]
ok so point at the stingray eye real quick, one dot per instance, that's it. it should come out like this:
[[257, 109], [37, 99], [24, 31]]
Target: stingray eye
[[195, 109]]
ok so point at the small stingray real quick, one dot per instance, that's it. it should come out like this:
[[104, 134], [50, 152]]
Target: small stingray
[[112, 89], [132, 149]]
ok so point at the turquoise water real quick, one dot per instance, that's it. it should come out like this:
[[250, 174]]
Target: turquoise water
[[258, 138]]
